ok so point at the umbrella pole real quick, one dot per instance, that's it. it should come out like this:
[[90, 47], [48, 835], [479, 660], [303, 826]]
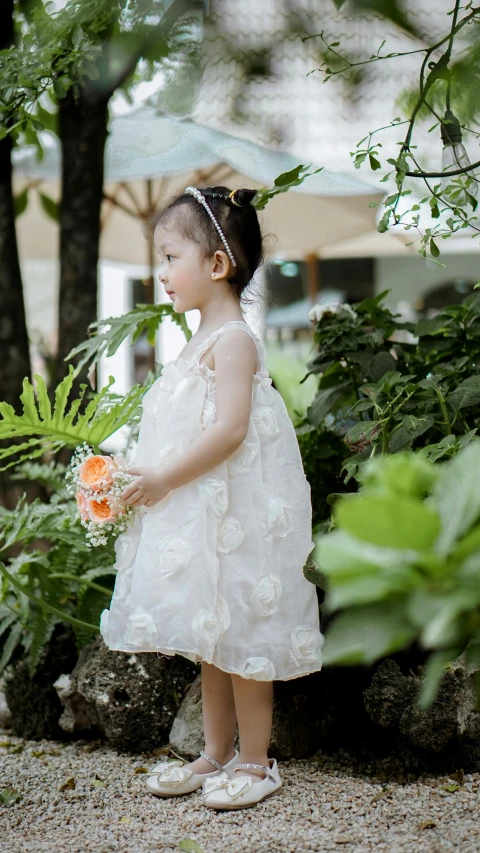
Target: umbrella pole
[[313, 276]]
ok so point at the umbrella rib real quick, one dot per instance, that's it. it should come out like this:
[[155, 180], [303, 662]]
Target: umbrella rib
[[131, 194], [116, 203]]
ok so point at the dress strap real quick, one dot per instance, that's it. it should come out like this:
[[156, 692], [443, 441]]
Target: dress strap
[[233, 324]]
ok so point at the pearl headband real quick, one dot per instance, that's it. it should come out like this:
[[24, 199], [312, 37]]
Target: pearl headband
[[202, 200]]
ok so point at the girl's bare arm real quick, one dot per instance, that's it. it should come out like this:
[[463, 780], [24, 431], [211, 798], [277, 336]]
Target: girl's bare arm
[[235, 360]]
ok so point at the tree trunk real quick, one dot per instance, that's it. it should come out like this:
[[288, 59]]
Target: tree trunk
[[83, 133], [15, 354], [14, 346]]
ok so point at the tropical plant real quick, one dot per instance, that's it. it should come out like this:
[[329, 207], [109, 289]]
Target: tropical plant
[[53, 577], [51, 430], [403, 565]]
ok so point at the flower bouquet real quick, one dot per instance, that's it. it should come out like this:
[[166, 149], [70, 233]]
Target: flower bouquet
[[97, 483]]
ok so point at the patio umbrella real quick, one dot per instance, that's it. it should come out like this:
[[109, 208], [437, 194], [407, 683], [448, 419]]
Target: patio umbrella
[[149, 157]]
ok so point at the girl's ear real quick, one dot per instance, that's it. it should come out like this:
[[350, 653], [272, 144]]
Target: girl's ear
[[220, 264]]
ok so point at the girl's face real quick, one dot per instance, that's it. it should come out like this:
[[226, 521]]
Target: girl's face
[[184, 272]]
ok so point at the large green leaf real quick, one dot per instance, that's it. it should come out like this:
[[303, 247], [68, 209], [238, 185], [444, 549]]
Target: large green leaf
[[365, 634], [63, 427], [374, 365], [466, 394], [408, 429], [324, 401], [432, 675], [389, 521], [360, 572], [456, 496]]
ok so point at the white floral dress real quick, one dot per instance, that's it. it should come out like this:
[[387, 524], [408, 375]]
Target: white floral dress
[[214, 571]]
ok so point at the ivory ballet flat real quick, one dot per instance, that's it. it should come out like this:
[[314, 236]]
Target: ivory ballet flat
[[172, 778], [224, 792]]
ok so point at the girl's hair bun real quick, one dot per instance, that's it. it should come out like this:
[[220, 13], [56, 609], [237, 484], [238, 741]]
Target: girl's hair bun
[[243, 197]]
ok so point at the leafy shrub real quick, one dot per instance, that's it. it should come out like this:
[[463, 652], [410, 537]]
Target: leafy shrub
[[403, 564], [382, 395]]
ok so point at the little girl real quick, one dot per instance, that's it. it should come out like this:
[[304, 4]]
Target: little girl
[[212, 567]]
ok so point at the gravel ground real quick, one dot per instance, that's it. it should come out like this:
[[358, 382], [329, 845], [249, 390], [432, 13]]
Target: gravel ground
[[327, 803]]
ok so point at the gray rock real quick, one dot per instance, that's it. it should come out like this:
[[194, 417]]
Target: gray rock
[[389, 694], [5, 713], [78, 714], [450, 725], [130, 698], [186, 735], [33, 700]]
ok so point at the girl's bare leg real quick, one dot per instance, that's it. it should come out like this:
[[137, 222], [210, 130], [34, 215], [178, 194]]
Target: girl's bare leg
[[254, 707], [219, 719]]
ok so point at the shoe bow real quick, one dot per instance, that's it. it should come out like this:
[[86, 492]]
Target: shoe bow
[[172, 773], [234, 787]]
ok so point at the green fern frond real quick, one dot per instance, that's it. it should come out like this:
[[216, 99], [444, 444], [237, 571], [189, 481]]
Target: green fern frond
[[89, 609], [65, 617], [105, 336], [62, 428], [10, 645], [51, 474], [6, 621], [41, 631], [100, 571], [36, 520]]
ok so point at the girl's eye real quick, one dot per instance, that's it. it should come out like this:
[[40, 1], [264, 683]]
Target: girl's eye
[[169, 257]]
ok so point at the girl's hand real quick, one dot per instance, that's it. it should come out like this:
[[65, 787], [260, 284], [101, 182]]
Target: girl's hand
[[149, 487]]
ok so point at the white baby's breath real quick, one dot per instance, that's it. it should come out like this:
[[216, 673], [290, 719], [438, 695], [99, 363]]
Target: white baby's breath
[[317, 312]]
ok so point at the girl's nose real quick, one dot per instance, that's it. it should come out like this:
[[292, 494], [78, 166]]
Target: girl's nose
[[161, 278]]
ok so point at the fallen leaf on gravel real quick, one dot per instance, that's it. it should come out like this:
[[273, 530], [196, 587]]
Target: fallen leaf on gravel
[[343, 839], [97, 782], [426, 824], [161, 750], [37, 753], [450, 788], [382, 795], [190, 846], [13, 747], [458, 775], [69, 785], [9, 796], [140, 770], [91, 747], [125, 820]]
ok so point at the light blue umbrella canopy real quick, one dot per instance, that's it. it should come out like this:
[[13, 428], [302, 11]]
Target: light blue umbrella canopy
[[150, 156]]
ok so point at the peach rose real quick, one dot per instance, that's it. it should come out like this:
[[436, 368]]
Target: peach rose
[[96, 472], [105, 509], [82, 505]]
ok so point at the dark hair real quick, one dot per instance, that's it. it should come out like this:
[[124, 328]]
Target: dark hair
[[237, 218]]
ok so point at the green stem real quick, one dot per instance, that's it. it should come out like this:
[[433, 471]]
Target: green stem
[[49, 607], [441, 400], [385, 438], [82, 581]]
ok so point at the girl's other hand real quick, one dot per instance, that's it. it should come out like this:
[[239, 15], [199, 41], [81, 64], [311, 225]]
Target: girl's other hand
[[149, 487]]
